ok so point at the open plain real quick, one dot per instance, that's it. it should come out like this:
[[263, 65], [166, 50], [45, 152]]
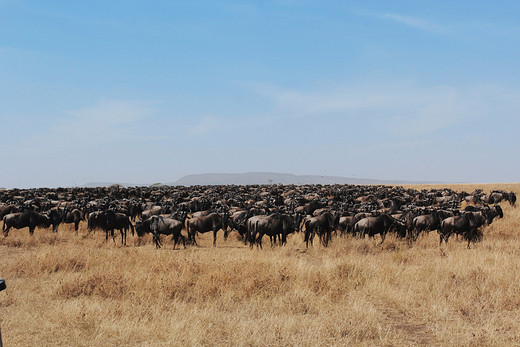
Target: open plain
[[78, 290]]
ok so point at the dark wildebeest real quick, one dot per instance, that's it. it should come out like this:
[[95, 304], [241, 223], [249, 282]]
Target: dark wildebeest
[[25, 219], [108, 221], [273, 225], [497, 196], [55, 215], [75, 216], [166, 226], [238, 222], [426, 222], [344, 225], [371, 226], [6, 209], [212, 222], [323, 225], [464, 224], [357, 217], [495, 211], [119, 221]]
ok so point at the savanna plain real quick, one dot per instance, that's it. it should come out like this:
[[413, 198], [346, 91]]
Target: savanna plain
[[78, 290]]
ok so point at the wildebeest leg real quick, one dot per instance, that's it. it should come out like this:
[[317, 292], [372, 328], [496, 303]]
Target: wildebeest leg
[[215, 238], [31, 231], [174, 240], [383, 235], [259, 240], [76, 224]]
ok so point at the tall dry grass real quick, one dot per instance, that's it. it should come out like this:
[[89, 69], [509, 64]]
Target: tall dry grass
[[73, 290]]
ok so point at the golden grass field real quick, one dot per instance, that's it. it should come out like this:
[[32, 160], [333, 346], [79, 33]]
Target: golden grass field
[[68, 290]]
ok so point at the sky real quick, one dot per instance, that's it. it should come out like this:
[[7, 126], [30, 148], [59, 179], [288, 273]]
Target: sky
[[149, 91]]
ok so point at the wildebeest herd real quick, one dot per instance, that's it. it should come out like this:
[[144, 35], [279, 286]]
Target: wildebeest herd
[[255, 211]]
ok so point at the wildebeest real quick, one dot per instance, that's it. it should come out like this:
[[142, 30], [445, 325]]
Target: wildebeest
[[321, 225], [166, 226], [108, 221], [273, 225], [375, 225], [426, 222], [75, 216], [464, 224], [25, 219], [6, 209], [203, 224]]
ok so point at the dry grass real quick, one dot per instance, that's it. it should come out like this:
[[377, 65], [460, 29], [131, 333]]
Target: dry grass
[[80, 291]]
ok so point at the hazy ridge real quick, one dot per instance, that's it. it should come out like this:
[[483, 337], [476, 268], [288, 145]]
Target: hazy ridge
[[260, 178]]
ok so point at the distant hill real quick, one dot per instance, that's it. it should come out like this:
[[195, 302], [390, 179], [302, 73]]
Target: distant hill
[[274, 178], [108, 184], [259, 178]]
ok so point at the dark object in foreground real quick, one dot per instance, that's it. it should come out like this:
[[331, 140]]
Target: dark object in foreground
[[2, 284]]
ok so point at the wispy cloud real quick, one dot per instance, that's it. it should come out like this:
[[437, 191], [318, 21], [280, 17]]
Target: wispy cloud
[[405, 110], [415, 22], [206, 125], [109, 121]]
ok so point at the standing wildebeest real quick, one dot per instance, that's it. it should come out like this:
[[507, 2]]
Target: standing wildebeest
[[344, 225], [108, 221], [321, 225], [426, 222], [24, 219], [55, 215], [166, 226], [273, 225], [212, 222], [75, 216], [375, 225], [6, 209], [464, 224]]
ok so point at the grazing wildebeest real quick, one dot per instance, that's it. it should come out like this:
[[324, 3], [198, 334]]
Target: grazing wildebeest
[[495, 211], [25, 219], [464, 224], [273, 225], [166, 226], [212, 222], [238, 222], [375, 225]]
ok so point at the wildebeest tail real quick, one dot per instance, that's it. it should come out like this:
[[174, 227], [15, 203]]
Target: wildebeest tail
[[473, 235]]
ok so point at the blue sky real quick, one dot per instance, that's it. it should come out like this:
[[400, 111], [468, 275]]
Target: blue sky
[[144, 92]]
